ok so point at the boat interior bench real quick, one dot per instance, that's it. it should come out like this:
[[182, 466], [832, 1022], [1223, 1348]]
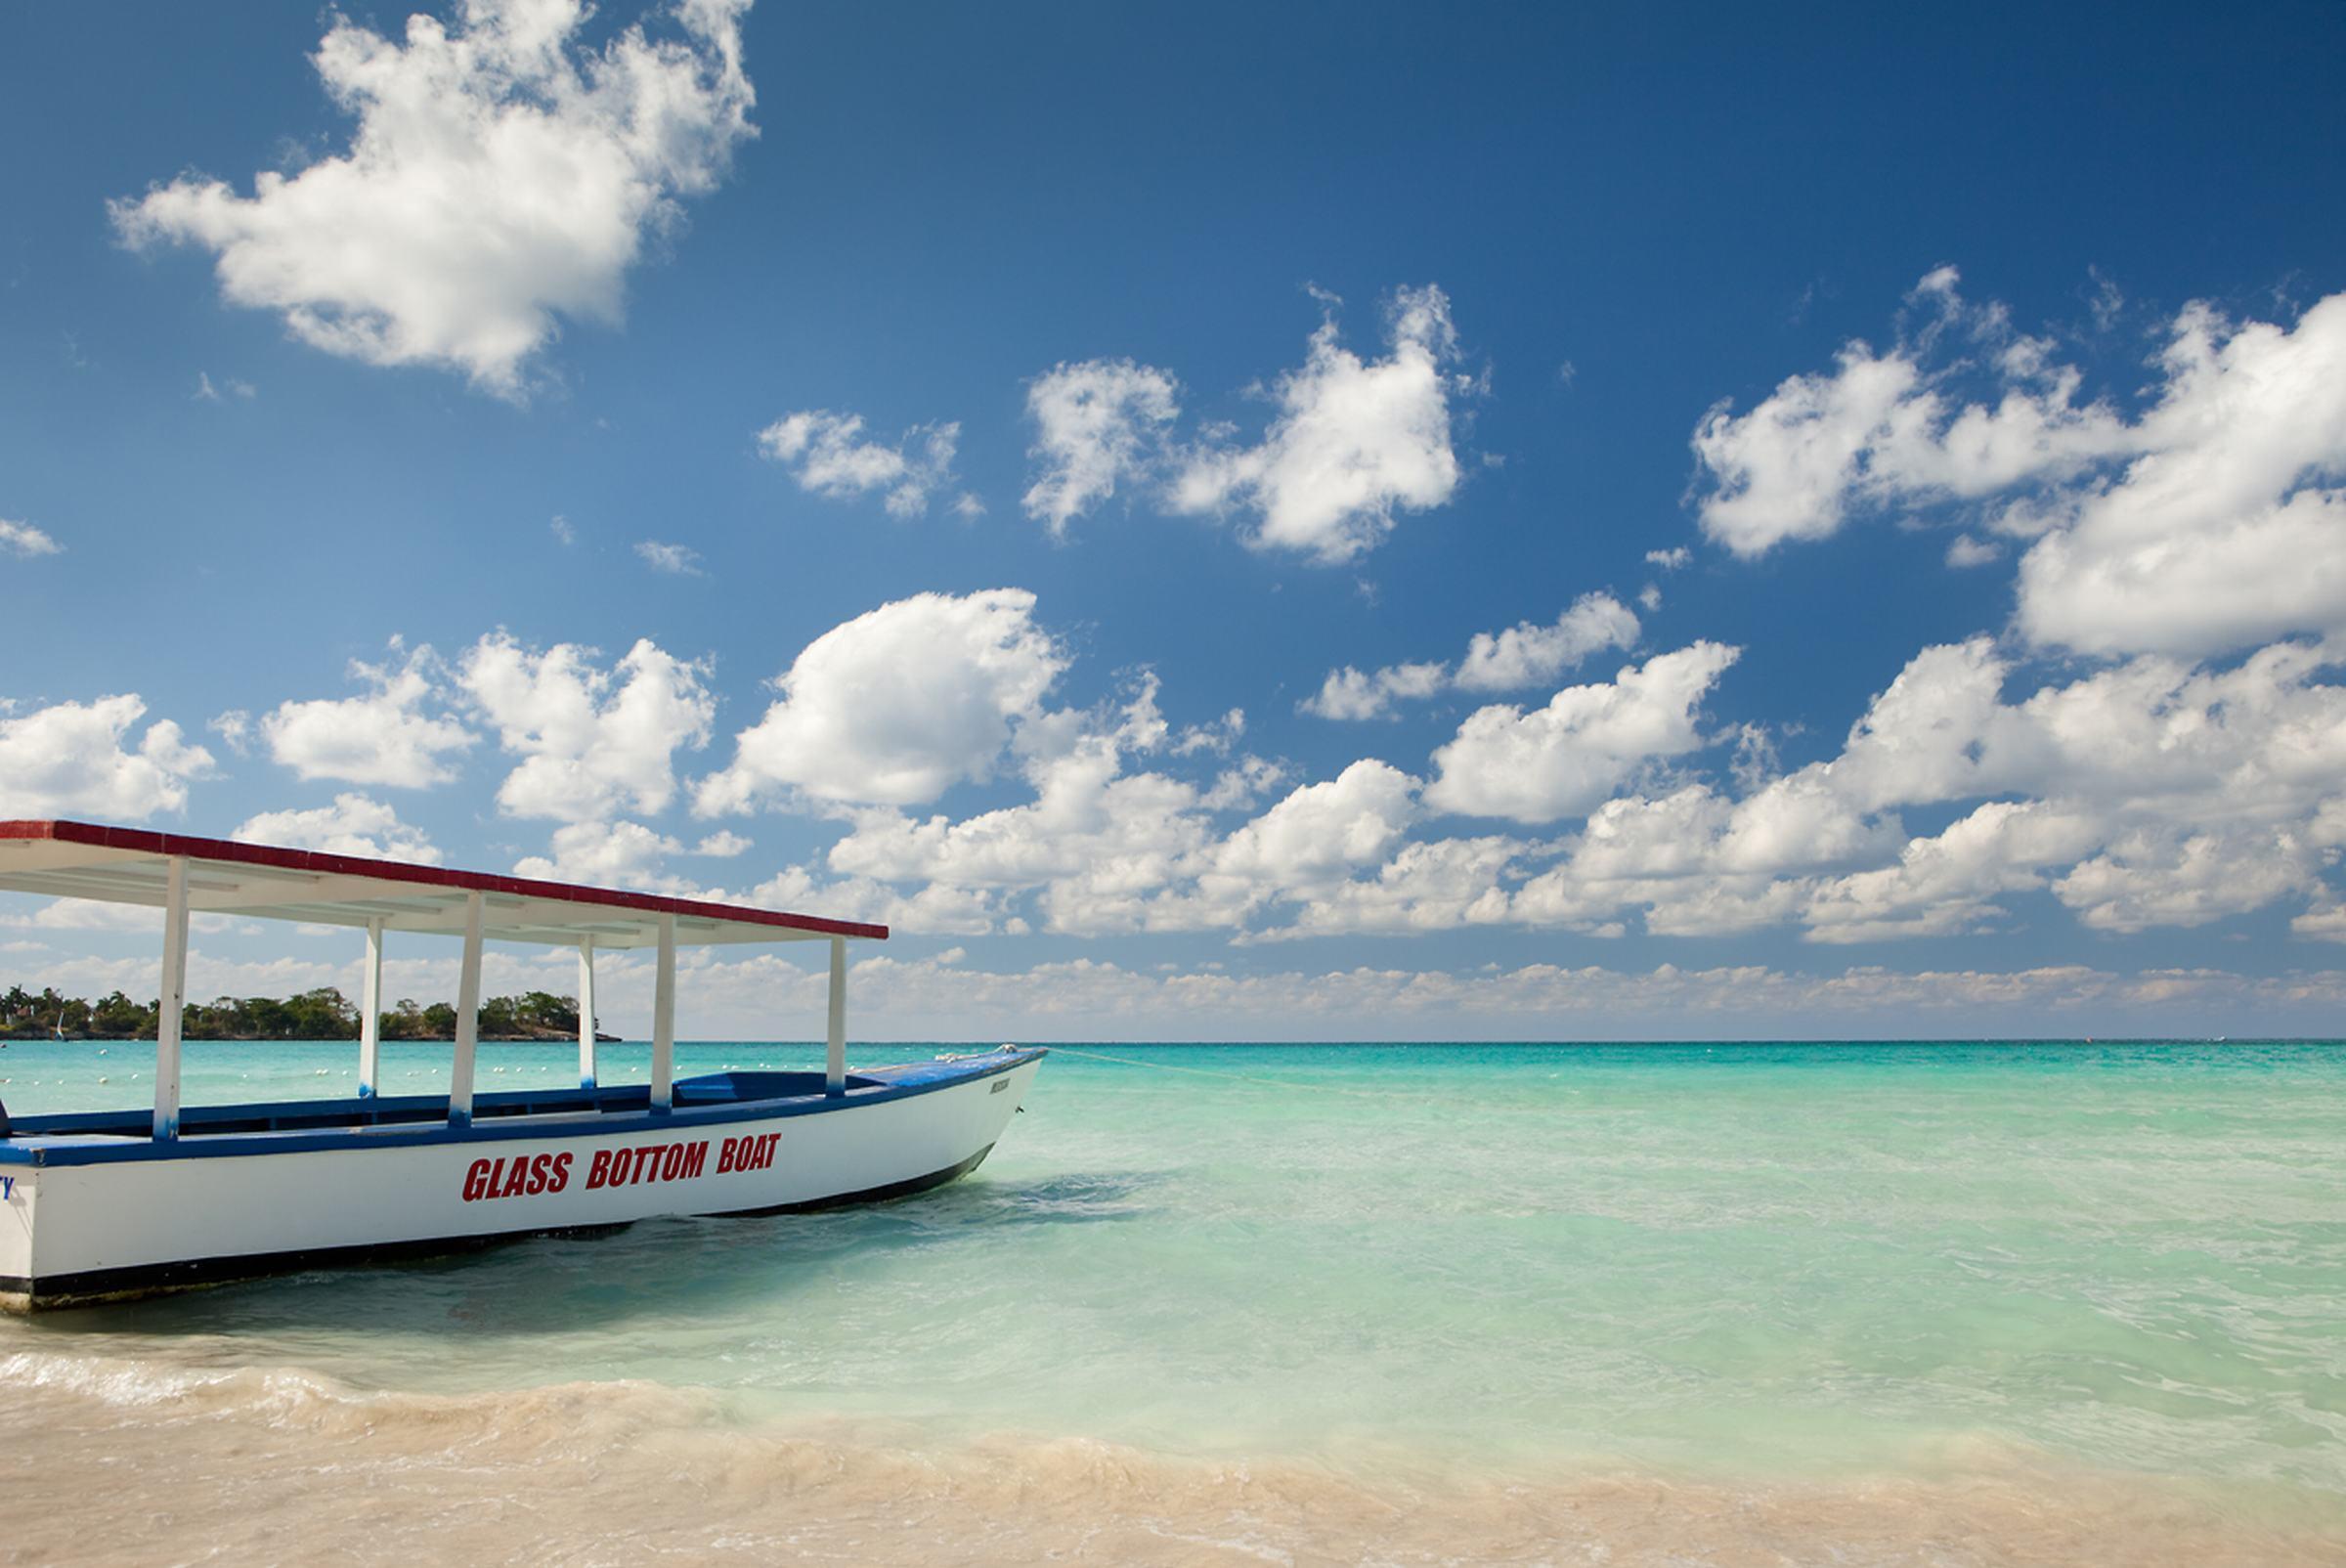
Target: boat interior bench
[[389, 1111]]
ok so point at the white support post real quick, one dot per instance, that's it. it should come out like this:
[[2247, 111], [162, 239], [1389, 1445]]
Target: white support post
[[664, 1017], [587, 1011], [835, 1059], [469, 1017], [370, 1014], [171, 1013]]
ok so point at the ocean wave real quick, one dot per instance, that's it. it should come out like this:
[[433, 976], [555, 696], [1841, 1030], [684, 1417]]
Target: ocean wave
[[310, 1404], [207, 1462]]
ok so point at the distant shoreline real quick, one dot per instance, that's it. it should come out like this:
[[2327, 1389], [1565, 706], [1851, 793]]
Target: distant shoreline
[[320, 1014]]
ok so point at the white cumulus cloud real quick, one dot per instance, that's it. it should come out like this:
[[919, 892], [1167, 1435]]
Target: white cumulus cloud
[[1098, 841], [1105, 849], [71, 758], [1965, 551], [1563, 758], [502, 177], [1528, 654], [828, 456], [1531, 654], [354, 824], [2180, 877], [2152, 793], [2229, 528], [2214, 521], [593, 741], [676, 560], [383, 737], [1354, 441], [1885, 428], [1097, 424], [1432, 884], [935, 910], [24, 540], [1351, 693], [608, 855], [1321, 832], [897, 705]]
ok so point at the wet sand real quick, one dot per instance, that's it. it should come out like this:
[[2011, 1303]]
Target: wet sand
[[115, 1462]]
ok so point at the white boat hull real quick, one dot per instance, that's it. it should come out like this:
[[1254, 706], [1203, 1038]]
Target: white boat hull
[[167, 1218]]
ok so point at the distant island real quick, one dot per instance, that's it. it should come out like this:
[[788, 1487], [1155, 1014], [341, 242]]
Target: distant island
[[324, 1013]]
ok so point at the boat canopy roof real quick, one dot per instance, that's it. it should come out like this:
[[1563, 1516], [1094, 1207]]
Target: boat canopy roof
[[131, 866]]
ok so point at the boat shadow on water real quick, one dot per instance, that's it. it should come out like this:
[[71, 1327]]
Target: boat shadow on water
[[656, 1267]]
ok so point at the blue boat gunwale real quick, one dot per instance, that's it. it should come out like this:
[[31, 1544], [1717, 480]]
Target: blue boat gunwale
[[500, 1118]]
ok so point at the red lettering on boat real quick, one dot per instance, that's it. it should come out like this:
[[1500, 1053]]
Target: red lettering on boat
[[628, 1167]]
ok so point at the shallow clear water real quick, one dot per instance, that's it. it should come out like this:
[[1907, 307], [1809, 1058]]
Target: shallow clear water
[[1751, 1273]]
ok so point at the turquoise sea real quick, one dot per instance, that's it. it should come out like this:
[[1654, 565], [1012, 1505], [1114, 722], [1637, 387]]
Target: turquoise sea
[[1848, 1303]]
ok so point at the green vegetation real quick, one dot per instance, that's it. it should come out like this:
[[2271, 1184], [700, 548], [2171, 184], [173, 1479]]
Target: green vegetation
[[324, 1013]]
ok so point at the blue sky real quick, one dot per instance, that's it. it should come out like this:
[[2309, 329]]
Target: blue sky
[[487, 483]]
